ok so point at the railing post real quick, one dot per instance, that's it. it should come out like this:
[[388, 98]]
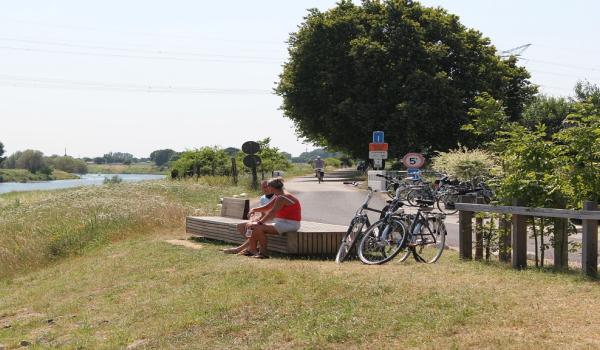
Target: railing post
[[479, 233], [465, 230], [504, 239], [589, 241], [561, 243], [519, 240]]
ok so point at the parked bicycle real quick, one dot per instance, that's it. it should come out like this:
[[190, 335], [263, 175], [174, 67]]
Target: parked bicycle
[[443, 194], [358, 224], [404, 185], [427, 234], [383, 240], [424, 238], [446, 195]]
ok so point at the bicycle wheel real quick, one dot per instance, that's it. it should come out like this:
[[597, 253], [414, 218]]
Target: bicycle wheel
[[413, 195], [406, 252], [373, 250], [429, 240], [350, 238], [446, 203], [391, 189]]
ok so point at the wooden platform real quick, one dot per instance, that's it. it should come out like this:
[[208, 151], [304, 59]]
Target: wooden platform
[[313, 238]]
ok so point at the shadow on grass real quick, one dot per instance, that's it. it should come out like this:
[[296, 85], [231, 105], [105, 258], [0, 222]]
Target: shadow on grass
[[493, 264], [548, 269], [271, 253]]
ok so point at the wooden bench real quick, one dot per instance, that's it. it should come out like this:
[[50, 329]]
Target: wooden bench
[[313, 238]]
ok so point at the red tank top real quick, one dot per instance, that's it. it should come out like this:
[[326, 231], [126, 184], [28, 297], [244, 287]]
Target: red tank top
[[289, 211]]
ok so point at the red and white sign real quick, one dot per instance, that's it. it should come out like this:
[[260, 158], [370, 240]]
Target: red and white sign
[[378, 154], [413, 160], [378, 147]]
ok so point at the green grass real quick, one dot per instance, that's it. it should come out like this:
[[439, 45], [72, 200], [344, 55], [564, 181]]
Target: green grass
[[22, 175], [143, 289], [138, 168], [90, 268], [42, 226]]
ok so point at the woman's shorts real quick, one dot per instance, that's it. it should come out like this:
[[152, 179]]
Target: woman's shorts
[[284, 225]]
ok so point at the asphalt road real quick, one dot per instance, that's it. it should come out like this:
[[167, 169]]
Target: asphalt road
[[334, 202]]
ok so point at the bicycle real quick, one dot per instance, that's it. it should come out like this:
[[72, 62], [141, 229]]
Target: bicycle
[[427, 234], [319, 174], [444, 195], [383, 240], [404, 185], [355, 230]]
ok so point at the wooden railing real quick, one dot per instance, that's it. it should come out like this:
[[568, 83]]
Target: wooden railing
[[518, 239]]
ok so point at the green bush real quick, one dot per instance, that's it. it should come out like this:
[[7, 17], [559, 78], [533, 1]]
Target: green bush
[[204, 161], [333, 162], [464, 164], [68, 164]]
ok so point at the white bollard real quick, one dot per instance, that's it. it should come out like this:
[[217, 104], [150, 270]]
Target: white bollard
[[377, 183]]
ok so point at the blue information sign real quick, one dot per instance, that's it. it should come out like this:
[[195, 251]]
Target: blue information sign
[[414, 173], [377, 136]]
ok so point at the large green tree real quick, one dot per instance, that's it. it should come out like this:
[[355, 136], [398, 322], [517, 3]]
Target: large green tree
[[162, 156], [396, 66]]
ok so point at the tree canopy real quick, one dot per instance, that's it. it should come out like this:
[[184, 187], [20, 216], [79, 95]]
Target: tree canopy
[[396, 66], [162, 156]]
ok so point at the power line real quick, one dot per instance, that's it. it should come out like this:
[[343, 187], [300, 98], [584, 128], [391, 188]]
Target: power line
[[115, 55], [559, 64], [559, 74], [37, 23], [22, 81], [144, 51]]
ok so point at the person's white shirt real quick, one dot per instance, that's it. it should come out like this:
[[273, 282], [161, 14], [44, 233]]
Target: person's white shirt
[[264, 200]]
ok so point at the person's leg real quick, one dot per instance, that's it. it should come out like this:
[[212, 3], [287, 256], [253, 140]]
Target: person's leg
[[252, 243], [259, 236], [241, 228]]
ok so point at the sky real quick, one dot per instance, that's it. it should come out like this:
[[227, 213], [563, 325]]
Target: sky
[[134, 76]]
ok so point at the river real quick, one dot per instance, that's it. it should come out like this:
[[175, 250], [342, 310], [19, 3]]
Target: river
[[85, 180]]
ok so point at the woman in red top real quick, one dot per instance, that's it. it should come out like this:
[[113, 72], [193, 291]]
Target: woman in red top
[[283, 214]]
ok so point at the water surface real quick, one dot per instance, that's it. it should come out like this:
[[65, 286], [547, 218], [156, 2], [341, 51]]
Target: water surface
[[85, 180]]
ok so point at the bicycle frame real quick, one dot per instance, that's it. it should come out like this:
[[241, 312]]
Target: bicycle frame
[[415, 227]]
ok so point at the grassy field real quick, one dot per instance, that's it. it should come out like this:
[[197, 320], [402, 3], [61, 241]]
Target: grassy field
[[145, 291], [91, 268], [22, 175], [42, 226], [139, 168]]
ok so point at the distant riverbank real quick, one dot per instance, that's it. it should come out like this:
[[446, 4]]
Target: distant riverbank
[[83, 180], [22, 175], [136, 168]]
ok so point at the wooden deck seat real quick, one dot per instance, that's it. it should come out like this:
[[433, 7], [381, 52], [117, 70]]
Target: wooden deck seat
[[313, 238]]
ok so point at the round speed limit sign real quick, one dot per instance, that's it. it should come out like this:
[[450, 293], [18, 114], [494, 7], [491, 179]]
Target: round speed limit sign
[[413, 160]]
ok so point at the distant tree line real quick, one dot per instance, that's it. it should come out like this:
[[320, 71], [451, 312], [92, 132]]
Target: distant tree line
[[216, 161], [35, 162]]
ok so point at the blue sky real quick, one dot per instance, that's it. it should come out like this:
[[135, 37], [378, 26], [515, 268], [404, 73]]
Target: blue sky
[[135, 76]]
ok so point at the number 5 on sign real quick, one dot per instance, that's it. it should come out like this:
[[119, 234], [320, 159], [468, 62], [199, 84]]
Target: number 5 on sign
[[413, 160]]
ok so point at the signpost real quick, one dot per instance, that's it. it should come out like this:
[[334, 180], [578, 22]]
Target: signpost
[[414, 173], [378, 150], [413, 160], [252, 160]]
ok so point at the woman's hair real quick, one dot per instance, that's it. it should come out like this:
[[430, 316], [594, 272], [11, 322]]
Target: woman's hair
[[276, 183]]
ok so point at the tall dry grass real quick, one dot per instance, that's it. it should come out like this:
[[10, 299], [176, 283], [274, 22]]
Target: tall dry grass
[[42, 226]]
